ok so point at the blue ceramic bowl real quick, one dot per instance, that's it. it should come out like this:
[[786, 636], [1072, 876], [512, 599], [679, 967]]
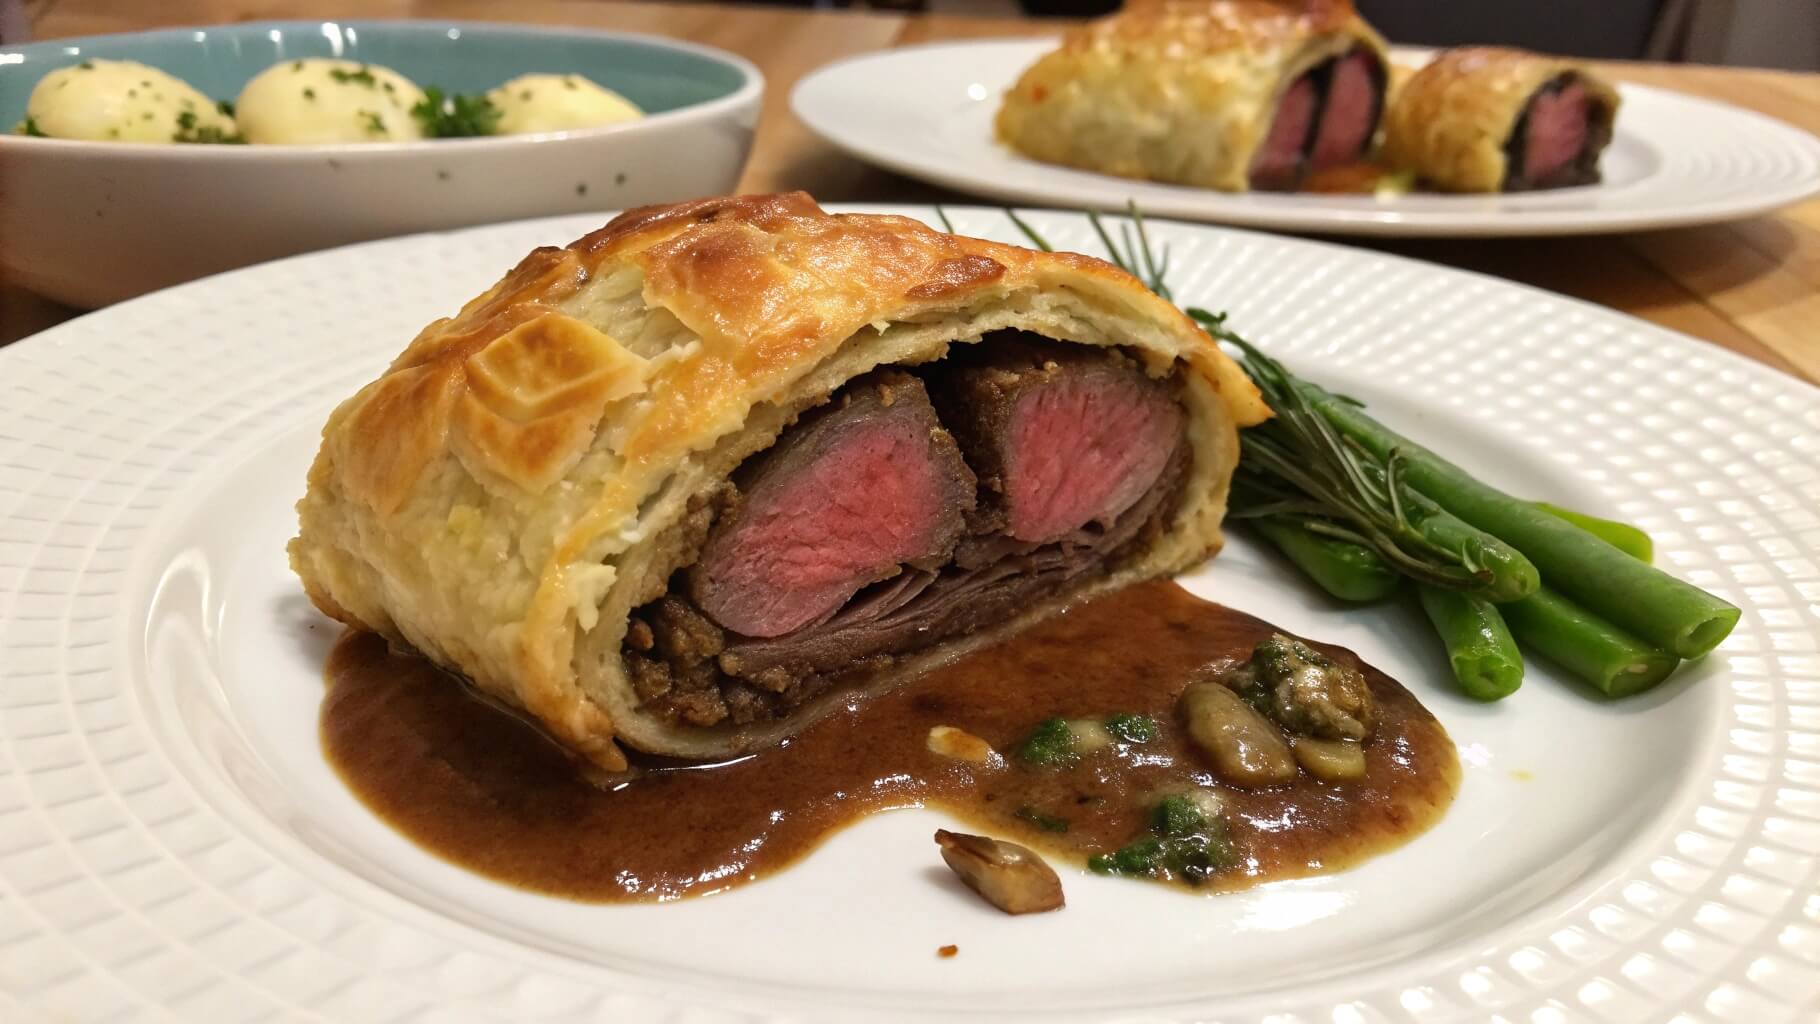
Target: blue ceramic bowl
[[93, 222]]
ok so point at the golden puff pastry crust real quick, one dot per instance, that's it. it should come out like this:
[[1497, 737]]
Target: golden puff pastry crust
[[514, 484], [1449, 122], [1175, 91]]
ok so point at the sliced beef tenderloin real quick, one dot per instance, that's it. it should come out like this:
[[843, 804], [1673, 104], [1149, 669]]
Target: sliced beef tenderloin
[[1350, 112], [919, 608], [1280, 162], [852, 493], [1060, 435], [1326, 118], [1557, 140]]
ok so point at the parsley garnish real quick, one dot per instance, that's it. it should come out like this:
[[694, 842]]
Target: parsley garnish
[[455, 116], [225, 106], [1177, 816], [309, 93], [361, 77], [30, 127], [188, 130], [1185, 843], [1051, 743], [1132, 728], [375, 123]]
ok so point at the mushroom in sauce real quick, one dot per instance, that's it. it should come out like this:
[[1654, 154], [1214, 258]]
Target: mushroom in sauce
[[1306, 691], [1330, 760], [1246, 748], [1006, 875]]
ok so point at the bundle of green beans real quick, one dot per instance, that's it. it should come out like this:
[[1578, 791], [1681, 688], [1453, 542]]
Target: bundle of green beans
[[1360, 509]]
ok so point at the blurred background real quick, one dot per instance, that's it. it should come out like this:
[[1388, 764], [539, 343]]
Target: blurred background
[[1755, 33], [1747, 33]]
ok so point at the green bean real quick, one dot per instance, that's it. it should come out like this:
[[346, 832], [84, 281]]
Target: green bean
[[1348, 571], [1484, 657], [1623, 536], [1614, 662], [1672, 615]]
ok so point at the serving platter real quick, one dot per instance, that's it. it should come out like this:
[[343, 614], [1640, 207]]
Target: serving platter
[[926, 111], [172, 844]]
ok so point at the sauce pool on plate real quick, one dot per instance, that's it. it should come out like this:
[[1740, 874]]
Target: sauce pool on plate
[[481, 788]]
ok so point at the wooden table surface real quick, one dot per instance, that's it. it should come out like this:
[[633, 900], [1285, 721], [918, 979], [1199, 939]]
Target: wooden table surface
[[1751, 286]]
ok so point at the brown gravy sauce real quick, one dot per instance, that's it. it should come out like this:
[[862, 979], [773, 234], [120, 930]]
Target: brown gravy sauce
[[484, 790]]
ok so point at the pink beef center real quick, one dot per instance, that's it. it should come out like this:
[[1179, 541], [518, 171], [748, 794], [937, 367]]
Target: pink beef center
[[805, 547], [1084, 449], [1281, 155], [1349, 117], [1557, 131]]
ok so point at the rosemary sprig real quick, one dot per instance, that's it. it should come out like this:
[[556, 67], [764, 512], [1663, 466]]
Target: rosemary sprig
[[1296, 466], [1029, 232]]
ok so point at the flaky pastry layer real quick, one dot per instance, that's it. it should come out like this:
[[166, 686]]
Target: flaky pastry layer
[[1173, 91]]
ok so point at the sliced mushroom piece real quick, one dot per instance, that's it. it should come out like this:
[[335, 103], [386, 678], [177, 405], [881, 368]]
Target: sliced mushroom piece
[[1006, 875], [959, 744], [1247, 749], [1330, 760]]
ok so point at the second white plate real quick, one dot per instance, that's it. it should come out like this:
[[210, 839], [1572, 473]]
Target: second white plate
[[927, 111]]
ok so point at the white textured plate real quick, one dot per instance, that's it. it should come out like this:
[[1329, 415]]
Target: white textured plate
[[927, 111], [172, 845]]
